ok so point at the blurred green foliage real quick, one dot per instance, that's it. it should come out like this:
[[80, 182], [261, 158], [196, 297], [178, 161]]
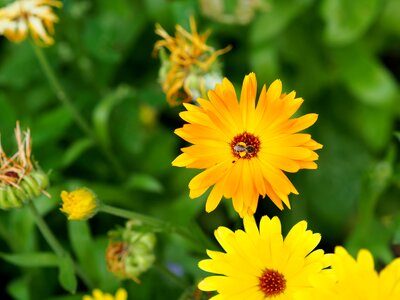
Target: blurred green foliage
[[342, 57]]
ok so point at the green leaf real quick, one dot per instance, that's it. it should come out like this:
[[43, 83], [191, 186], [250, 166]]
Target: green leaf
[[34, 259], [374, 125], [144, 182], [19, 288], [397, 135], [8, 115], [83, 246], [347, 20], [66, 275], [51, 125], [365, 77], [76, 150], [103, 110], [271, 23]]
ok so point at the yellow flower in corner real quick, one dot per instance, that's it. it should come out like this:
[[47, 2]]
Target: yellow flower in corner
[[34, 16], [99, 295], [350, 279], [190, 68], [244, 147], [258, 263], [80, 204]]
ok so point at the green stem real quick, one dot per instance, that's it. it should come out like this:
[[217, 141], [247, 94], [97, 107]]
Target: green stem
[[65, 100], [60, 93], [157, 224], [54, 244], [172, 276]]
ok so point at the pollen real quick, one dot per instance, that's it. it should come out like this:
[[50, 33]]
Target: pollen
[[272, 283], [245, 145]]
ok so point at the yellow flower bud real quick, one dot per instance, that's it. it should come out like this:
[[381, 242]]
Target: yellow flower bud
[[80, 204]]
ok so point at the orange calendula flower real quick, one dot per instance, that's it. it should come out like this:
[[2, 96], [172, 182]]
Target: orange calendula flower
[[21, 180], [34, 16], [244, 147], [190, 69], [259, 263]]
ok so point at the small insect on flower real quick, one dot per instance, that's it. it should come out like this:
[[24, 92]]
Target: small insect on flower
[[245, 145], [242, 149]]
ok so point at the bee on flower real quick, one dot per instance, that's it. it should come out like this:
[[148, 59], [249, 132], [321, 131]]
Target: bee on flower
[[245, 146], [29, 16], [190, 68], [21, 180]]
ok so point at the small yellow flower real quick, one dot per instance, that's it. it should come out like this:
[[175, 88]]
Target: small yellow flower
[[190, 67], [20, 179], [353, 279], [259, 263], [80, 204], [245, 146], [36, 16], [99, 295]]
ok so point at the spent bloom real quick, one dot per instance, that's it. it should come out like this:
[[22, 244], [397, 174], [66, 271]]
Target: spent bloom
[[259, 263], [245, 147], [21, 180], [130, 251], [79, 204], [34, 16], [355, 279], [99, 295], [190, 68]]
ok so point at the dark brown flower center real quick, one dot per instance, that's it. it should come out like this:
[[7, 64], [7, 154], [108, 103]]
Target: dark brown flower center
[[12, 174], [272, 283], [245, 145]]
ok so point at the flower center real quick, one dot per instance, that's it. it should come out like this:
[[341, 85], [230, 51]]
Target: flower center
[[272, 283], [245, 145], [12, 174]]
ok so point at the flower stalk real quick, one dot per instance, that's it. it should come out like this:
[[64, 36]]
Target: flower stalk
[[66, 101], [54, 243], [156, 224]]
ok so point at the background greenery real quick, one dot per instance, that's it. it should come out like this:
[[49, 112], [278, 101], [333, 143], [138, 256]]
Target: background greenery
[[342, 57]]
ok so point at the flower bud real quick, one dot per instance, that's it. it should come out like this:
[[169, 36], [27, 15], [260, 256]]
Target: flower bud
[[190, 60], [80, 204], [130, 251], [20, 180]]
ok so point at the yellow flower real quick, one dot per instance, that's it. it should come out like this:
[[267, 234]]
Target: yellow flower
[[36, 16], [99, 295], [350, 279], [80, 204], [260, 263], [245, 147], [20, 179], [189, 65]]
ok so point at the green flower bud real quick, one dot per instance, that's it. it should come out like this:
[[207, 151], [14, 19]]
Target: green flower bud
[[130, 251]]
